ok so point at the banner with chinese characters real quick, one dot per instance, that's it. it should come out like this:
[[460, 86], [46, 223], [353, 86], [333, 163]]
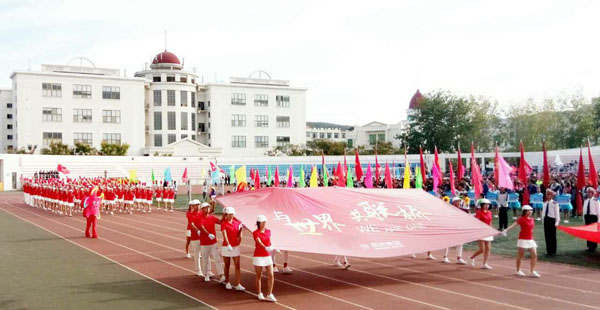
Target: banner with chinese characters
[[356, 222]]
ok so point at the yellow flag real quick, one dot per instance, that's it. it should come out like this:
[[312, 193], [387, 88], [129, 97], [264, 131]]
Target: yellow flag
[[203, 173], [406, 173], [133, 175], [313, 177], [240, 175]]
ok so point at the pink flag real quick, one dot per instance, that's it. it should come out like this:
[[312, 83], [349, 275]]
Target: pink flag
[[184, 177], [290, 181], [276, 177], [437, 176], [388, 177], [62, 169], [369, 177], [504, 169], [452, 187]]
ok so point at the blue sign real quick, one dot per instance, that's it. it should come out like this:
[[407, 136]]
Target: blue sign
[[513, 197], [564, 199], [536, 198]]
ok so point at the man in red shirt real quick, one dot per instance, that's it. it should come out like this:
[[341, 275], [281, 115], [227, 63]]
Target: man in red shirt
[[205, 223]]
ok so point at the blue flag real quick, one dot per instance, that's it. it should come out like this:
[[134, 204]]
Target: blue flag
[[168, 177]]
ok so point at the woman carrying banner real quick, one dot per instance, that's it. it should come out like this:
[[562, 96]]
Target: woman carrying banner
[[188, 232], [485, 244], [232, 237], [208, 241], [457, 202], [525, 241], [262, 257]]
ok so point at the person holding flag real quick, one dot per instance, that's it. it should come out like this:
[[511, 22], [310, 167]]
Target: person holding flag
[[525, 241]]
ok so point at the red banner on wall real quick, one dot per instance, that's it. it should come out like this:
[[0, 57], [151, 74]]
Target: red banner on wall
[[357, 222]]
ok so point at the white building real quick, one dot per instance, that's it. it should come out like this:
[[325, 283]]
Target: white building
[[369, 134], [7, 113], [326, 131]]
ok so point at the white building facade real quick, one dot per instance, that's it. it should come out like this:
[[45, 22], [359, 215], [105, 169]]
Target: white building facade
[[369, 134], [330, 133], [7, 141]]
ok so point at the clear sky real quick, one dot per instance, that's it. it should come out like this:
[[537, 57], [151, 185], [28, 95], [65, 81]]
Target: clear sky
[[361, 60]]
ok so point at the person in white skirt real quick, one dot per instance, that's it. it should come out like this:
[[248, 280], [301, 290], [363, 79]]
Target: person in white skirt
[[457, 202], [262, 257], [232, 237], [485, 244], [525, 241]]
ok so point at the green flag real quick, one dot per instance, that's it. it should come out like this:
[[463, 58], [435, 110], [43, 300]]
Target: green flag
[[302, 177], [418, 178], [270, 174], [325, 177], [349, 180], [152, 175], [232, 174]]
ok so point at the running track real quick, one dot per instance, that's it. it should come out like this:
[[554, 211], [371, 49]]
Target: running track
[[152, 245]]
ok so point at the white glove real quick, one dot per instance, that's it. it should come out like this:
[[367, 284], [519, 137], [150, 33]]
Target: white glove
[[503, 233], [211, 236], [230, 248], [241, 226], [269, 249]]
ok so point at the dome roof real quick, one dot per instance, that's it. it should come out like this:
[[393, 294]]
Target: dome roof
[[165, 58], [415, 100]]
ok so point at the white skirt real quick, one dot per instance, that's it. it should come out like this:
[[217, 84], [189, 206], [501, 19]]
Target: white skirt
[[262, 261], [490, 238], [188, 233], [526, 244], [226, 253]]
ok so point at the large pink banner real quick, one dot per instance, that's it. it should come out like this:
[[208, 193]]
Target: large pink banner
[[357, 222]]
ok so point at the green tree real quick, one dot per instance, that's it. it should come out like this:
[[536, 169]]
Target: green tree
[[58, 148], [326, 147], [110, 149]]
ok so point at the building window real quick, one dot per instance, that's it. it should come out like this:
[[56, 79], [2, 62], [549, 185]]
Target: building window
[[157, 120], [9, 105], [50, 114], [261, 100], [51, 137], [308, 134], [171, 138], [329, 135], [111, 116], [9, 126], [184, 99], [238, 99], [194, 121], [322, 135], [9, 137], [82, 91], [171, 125], [336, 135], [314, 135], [184, 121], [82, 115], [201, 106], [183, 136], [156, 78], [157, 140], [157, 98], [111, 138], [283, 141], [261, 121], [201, 127], [283, 121], [171, 97], [111, 92], [261, 141], [183, 79], [283, 101], [372, 139], [343, 135], [350, 143], [381, 137], [9, 116], [238, 120], [193, 94], [238, 141], [170, 78], [82, 138], [51, 90]]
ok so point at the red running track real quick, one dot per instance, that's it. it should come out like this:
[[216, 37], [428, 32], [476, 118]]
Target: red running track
[[152, 245]]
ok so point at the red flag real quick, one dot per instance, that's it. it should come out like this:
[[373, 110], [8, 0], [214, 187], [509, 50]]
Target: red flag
[[524, 170], [593, 174], [452, 187], [460, 169], [546, 174], [377, 169], [580, 183], [256, 179], [276, 177], [184, 177], [423, 168], [475, 174], [213, 167], [62, 169], [339, 173], [357, 167], [388, 176]]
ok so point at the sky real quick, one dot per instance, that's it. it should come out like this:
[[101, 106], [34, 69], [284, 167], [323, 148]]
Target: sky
[[361, 60]]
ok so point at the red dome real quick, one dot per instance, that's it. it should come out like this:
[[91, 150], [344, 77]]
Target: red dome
[[165, 58], [415, 100]]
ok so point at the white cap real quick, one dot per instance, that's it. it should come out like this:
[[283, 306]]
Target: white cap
[[261, 218], [204, 205], [195, 202], [229, 210], [527, 208], [482, 201], [455, 199], [191, 202]]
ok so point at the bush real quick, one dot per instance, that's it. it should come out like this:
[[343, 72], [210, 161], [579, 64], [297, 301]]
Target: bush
[[110, 149]]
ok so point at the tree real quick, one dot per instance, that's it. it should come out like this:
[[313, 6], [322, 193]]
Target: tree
[[58, 148], [326, 147], [111, 149], [85, 149], [382, 147]]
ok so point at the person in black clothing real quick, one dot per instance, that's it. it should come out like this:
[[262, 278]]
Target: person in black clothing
[[590, 213], [551, 219]]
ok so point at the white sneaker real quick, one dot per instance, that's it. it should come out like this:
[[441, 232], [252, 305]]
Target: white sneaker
[[171, 210], [271, 298], [206, 279], [535, 274], [261, 296], [520, 273], [461, 261], [346, 265], [514, 217], [112, 213], [446, 260], [200, 274], [486, 266], [473, 262], [430, 257], [566, 221], [538, 219], [495, 216], [338, 264], [222, 279], [287, 270], [275, 270], [210, 274], [239, 287], [228, 286], [187, 255], [414, 255]]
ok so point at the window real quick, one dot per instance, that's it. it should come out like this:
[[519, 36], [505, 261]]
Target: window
[[322, 135], [9, 137], [51, 90], [261, 121], [261, 141], [111, 116], [184, 121], [51, 137], [9, 116], [308, 134], [372, 139], [50, 115], [82, 115], [336, 135], [82, 91], [329, 135], [157, 98], [111, 92], [9, 126], [82, 138], [343, 135], [193, 94], [314, 135], [171, 97], [283, 121], [171, 125], [201, 106], [171, 138], [9, 105], [381, 137], [201, 127], [170, 78], [238, 141], [157, 120], [111, 138], [158, 140], [350, 143], [238, 99], [183, 136], [194, 121], [283, 141], [156, 78], [183, 79], [184, 99], [283, 101], [261, 100], [238, 120]]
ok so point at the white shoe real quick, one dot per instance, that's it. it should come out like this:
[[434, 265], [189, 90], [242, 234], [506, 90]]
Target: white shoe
[[222, 279], [446, 260], [275, 270], [514, 217], [520, 273], [171, 210], [261, 296], [338, 264], [473, 262], [486, 266], [495, 216], [287, 270], [206, 279], [538, 219], [346, 265], [187, 255], [414, 255], [112, 213], [210, 274], [144, 211], [461, 261], [271, 298], [430, 257], [200, 274], [228, 286], [566, 221], [535, 274], [239, 287]]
